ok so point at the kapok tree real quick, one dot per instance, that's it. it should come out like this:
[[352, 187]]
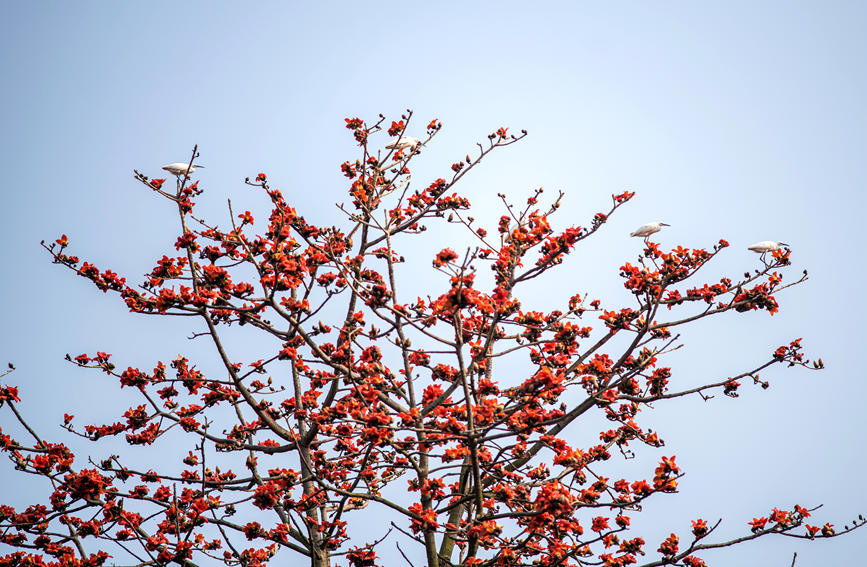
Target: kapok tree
[[438, 415]]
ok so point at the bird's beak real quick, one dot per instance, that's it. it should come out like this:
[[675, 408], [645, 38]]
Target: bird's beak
[[199, 166], [664, 224], [784, 244]]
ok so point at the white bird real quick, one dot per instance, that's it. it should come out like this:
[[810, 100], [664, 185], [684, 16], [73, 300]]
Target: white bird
[[646, 230], [403, 142], [181, 168], [766, 246]]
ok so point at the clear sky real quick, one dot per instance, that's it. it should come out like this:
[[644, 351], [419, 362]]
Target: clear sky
[[737, 120]]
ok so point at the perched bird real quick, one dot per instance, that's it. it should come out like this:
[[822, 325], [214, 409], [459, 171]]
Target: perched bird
[[181, 168], [646, 230], [403, 142], [766, 246]]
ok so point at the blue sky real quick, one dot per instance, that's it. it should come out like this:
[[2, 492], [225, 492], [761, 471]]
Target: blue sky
[[735, 120]]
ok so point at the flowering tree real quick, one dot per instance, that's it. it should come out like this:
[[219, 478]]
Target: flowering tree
[[443, 418]]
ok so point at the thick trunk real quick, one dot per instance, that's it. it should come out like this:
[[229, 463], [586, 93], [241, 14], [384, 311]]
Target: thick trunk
[[321, 558], [430, 544]]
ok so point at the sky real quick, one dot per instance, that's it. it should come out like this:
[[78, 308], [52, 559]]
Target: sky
[[736, 120]]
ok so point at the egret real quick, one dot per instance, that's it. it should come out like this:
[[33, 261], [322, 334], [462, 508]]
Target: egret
[[646, 230], [403, 142], [766, 246], [181, 168]]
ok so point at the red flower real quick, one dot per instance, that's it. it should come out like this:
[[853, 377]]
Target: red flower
[[396, 128], [361, 557], [599, 524], [622, 521], [444, 257], [88, 483], [424, 520], [9, 393], [266, 496], [669, 546]]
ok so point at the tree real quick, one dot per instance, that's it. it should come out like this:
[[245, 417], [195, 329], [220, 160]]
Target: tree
[[445, 416]]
